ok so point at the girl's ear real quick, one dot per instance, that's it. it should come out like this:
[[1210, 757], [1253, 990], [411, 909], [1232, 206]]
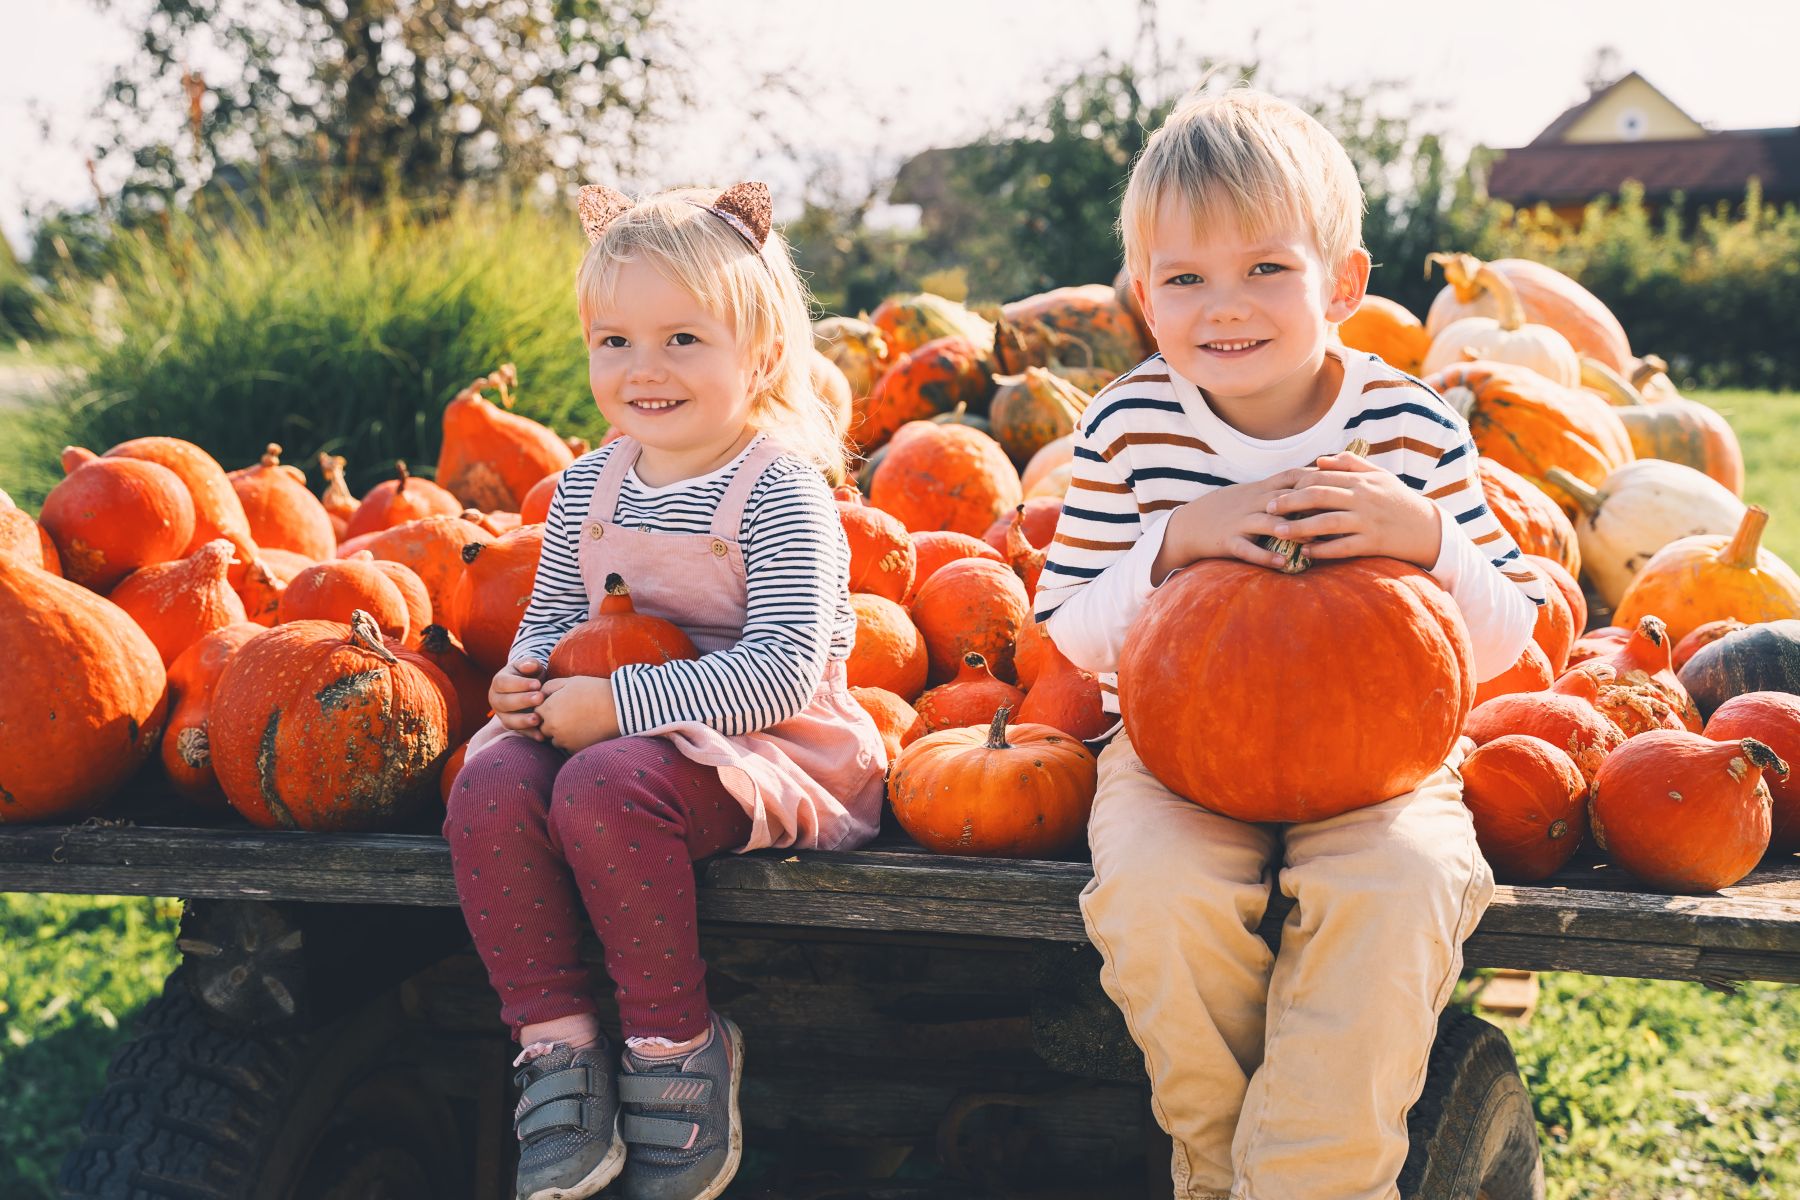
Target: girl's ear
[[1349, 286]]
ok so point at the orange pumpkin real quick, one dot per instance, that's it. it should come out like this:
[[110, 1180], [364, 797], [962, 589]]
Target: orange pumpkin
[[1018, 792], [935, 548], [1041, 516], [1031, 650], [186, 745], [1536, 523], [1529, 805], [452, 766], [1387, 330], [968, 699], [333, 591], [1026, 560], [1062, 695], [971, 605], [889, 652], [217, 511], [178, 603], [945, 477], [490, 598], [1524, 421], [265, 581], [1558, 585], [490, 457], [395, 501], [1532, 672], [1703, 635], [1708, 577], [882, 557], [108, 517], [1548, 296], [85, 705], [1059, 453], [1031, 410], [439, 647], [1684, 813], [1568, 721], [897, 720], [617, 634], [534, 509], [933, 379], [412, 592], [337, 500], [321, 726], [432, 547], [907, 322], [280, 512], [1637, 684], [1772, 718], [1596, 643], [1237, 695], [26, 541]]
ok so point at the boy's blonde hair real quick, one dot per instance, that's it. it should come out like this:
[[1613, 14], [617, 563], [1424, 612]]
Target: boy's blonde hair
[[759, 294], [1246, 156]]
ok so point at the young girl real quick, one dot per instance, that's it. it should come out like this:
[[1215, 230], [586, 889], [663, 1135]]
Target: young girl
[[596, 796]]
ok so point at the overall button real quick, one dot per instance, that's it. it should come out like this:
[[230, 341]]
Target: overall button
[[718, 548], [596, 530]]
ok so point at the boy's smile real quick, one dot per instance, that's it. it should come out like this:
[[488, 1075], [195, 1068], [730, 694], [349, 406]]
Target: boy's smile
[[1247, 316]]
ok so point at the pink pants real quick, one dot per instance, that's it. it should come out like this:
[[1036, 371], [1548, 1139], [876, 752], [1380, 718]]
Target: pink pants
[[538, 836]]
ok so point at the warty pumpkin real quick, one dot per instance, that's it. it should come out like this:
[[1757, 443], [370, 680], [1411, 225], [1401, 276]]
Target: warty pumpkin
[[1772, 718], [971, 605], [882, 556], [177, 603], [889, 652], [186, 743], [1638, 687], [1236, 692], [490, 456], [933, 379], [945, 477], [1693, 580], [1032, 409], [1760, 658], [1567, 720], [280, 512], [335, 590], [1683, 813], [1012, 792], [934, 548], [489, 600], [395, 501], [1635, 512], [217, 511], [968, 699], [909, 321], [321, 726], [1676, 430], [86, 703], [1529, 804], [1389, 331], [617, 634], [897, 721], [110, 516], [1548, 296], [1505, 337], [1535, 521], [856, 348]]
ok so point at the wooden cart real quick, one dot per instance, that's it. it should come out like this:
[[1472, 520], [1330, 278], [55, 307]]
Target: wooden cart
[[917, 1026]]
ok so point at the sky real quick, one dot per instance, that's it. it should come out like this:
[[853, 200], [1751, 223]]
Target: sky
[[875, 83]]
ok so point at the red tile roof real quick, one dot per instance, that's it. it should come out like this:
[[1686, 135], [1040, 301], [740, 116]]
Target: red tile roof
[[1711, 167]]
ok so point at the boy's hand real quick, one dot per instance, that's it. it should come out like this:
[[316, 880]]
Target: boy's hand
[[578, 712], [1225, 523], [515, 694], [1354, 509]]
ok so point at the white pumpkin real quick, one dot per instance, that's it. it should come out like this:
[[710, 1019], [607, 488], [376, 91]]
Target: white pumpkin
[[1506, 338], [1636, 511]]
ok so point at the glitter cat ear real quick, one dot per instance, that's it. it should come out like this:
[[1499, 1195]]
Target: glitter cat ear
[[746, 207], [599, 206]]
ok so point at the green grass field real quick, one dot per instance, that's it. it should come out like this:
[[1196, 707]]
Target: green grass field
[[1645, 1090]]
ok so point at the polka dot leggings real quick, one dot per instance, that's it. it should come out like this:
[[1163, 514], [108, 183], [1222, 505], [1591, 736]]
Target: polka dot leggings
[[539, 837]]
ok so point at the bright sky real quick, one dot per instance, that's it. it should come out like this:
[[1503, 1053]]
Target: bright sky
[[875, 83]]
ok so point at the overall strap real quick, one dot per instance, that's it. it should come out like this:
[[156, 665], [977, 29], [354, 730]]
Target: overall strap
[[728, 519], [605, 501]]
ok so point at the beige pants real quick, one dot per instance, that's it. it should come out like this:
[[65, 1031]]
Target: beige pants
[[1282, 1077]]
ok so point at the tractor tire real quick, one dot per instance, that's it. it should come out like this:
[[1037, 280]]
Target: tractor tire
[[1473, 1131]]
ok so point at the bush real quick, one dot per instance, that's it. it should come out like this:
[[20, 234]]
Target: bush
[[345, 332]]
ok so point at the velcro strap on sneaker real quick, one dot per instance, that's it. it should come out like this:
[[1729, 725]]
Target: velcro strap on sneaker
[[558, 1114], [658, 1131], [675, 1091], [570, 1081]]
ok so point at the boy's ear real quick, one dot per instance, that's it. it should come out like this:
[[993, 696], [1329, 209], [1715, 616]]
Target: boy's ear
[[1349, 287], [1143, 299]]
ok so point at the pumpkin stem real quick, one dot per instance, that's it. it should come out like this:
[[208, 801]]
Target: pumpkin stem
[[367, 634], [271, 455], [1588, 498], [434, 638], [578, 446], [1648, 368], [1512, 310], [470, 551], [1295, 552], [1460, 271], [76, 456], [400, 466], [974, 663], [1596, 376], [997, 731], [1745, 546], [615, 585], [1764, 758], [502, 379], [1653, 630]]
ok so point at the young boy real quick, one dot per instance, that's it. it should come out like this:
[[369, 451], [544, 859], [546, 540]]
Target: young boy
[[1280, 1077]]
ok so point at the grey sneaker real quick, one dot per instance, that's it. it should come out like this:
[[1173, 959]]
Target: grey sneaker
[[681, 1119], [568, 1123]]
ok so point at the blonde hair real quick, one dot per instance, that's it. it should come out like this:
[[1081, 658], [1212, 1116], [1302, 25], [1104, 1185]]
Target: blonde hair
[[1245, 155], [760, 296]]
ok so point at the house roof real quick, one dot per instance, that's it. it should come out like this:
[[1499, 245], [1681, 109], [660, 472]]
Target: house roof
[[1711, 167], [1552, 133]]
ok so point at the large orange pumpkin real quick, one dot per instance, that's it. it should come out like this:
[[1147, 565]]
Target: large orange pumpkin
[[281, 513], [490, 598], [491, 457], [534, 509], [1237, 692], [889, 652], [1570, 722], [1709, 577], [177, 603], [1772, 718], [1529, 804], [1018, 792], [432, 547], [936, 548], [897, 720], [332, 591], [1555, 630], [1549, 298], [1386, 329], [412, 591], [1524, 510], [186, 743], [25, 540], [322, 726], [110, 516], [1684, 813], [945, 477], [616, 635], [1558, 578], [971, 605], [217, 511], [84, 705]]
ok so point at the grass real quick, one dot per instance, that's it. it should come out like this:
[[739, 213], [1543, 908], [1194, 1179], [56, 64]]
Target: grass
[[1768, 427]]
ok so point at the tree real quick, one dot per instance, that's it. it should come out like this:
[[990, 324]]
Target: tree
[[372, 97]]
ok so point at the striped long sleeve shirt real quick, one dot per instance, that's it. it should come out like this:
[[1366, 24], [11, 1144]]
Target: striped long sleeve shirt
[[797, 609], [1149, 443]]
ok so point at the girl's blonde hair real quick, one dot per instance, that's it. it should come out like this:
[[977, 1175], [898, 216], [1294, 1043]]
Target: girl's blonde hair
[[759, 295], [1245, 156]]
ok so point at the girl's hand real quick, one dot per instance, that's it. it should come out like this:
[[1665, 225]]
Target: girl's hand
[[576, 713], [515, 694], [1354, 509]]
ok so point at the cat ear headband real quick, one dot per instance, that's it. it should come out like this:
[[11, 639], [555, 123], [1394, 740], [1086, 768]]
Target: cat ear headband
[[743, 206]]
